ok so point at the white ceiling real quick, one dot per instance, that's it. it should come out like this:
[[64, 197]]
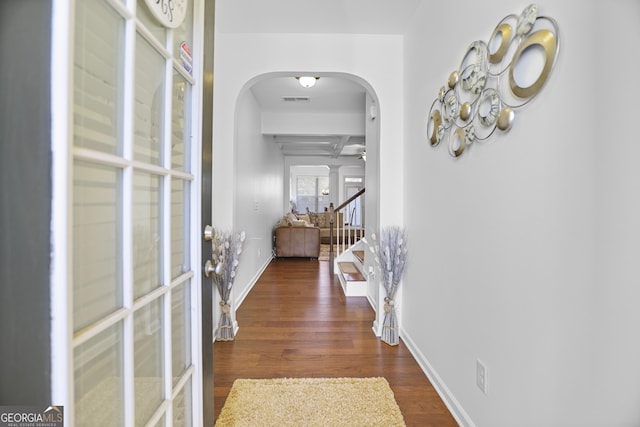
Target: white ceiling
[[330, 94], [306, 16]]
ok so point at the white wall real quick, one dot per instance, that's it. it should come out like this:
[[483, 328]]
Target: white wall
[[372, 208], [258, 190], [312, 123], [617, 186], [522, 250]]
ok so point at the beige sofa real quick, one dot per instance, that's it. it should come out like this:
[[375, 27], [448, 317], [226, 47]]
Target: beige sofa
[[322, 220], [297, 241]]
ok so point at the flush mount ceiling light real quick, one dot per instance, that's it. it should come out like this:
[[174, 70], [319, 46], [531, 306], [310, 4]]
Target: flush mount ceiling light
[[307, 81]]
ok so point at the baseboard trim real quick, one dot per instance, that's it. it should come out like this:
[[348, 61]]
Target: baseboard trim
[[252, 283], [371, 303], [376, 329], [241, 298], [456, 409]]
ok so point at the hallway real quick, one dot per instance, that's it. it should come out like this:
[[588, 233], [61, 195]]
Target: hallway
[[296, 322]]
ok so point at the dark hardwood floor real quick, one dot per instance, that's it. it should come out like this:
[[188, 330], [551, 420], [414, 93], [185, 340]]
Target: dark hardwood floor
[[296, 322]]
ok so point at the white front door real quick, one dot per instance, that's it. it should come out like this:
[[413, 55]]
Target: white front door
[[133, 288]]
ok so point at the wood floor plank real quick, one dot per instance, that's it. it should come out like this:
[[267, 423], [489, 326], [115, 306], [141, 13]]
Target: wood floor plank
[[296, 322]]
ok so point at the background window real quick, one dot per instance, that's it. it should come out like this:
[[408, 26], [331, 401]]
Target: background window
[[312, 193]]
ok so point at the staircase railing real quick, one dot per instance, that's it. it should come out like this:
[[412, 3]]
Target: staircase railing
[[346, 235]]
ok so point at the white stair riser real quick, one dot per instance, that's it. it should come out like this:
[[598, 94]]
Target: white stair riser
[[353, 288]]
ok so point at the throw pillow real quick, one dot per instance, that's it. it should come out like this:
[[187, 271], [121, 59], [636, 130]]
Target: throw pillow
[[314, 219], [304, 217], [284, 222], [324, 220]]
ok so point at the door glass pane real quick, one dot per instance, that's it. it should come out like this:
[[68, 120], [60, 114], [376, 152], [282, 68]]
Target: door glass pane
[[181, 333], [98, 388], [149, 97], [180, 123], [150, 22], [182, 407], [146, 233], [179, 227], [97, 76], [97, 268], [184, 34], [148, 360]]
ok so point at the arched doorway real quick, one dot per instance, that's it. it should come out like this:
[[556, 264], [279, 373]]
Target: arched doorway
[[272, 136]]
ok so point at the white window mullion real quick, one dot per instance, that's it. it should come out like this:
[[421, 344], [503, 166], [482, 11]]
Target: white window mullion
[[184, 73], [167, 347], [181, 279], [147, 299], [62, 57], [127, 282], [102, 325], [100, 157], [166, 231], [195, 144], [125, 10], [188, 373], [127, 218], [183, 175], [163, 409], [152, 169]]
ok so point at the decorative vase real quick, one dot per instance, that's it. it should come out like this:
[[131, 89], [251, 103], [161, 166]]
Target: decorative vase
[[391, 258], [226, 258]]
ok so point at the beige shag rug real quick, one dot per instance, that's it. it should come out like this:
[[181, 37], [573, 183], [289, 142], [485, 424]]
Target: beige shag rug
[[325, 402]]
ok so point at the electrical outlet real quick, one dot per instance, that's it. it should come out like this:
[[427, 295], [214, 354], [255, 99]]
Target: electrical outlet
[[482, 376]]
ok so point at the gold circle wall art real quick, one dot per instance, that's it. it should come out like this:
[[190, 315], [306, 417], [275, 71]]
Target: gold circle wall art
[[494, 80]]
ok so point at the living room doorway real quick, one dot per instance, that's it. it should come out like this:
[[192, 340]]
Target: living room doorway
[[273, 135]]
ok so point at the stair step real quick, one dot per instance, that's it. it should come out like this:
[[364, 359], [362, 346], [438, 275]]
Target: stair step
[[351, 279], [350, 272], [359, 255]]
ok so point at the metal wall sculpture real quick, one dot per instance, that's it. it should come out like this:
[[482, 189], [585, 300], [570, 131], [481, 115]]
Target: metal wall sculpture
[[494, 80]]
